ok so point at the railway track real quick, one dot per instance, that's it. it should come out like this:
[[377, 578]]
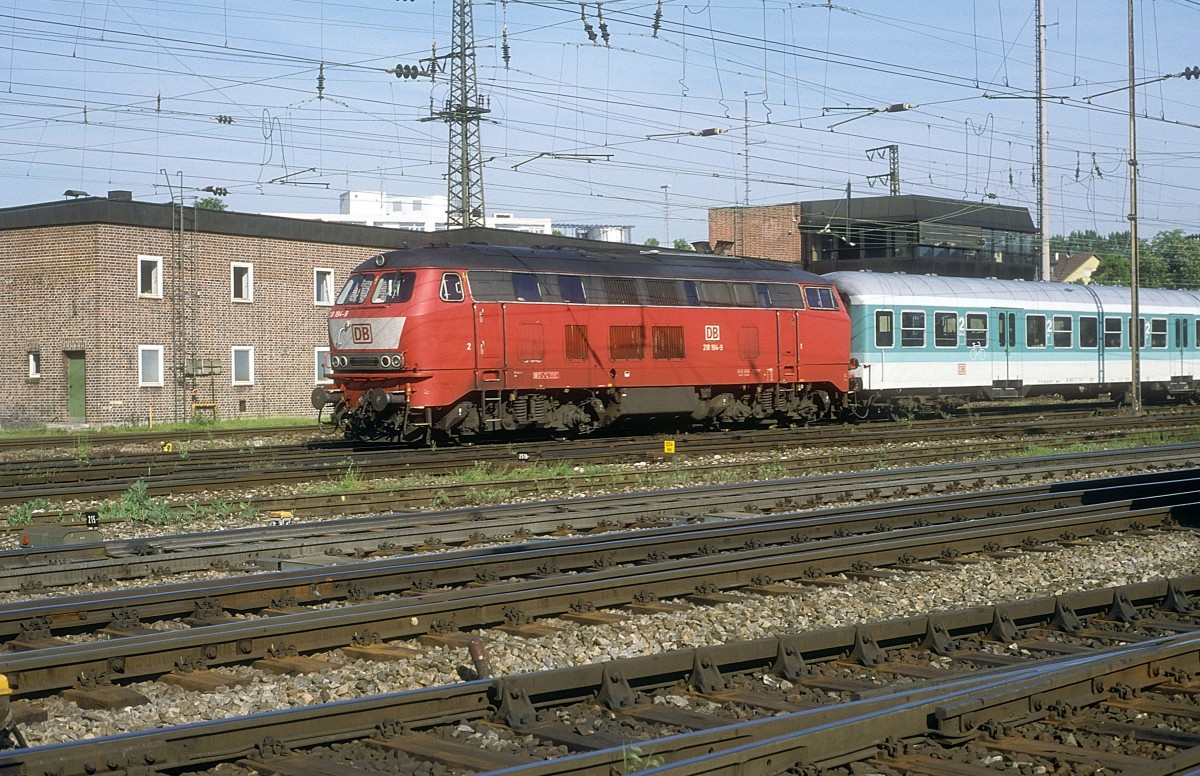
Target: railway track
[[1102, 679], [321, 546]]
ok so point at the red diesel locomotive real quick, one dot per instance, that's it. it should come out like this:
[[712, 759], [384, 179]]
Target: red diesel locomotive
[[466, 341]]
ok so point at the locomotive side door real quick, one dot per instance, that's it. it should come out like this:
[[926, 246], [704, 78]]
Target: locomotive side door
[[788, 336], [488, 318], [1006, 358]]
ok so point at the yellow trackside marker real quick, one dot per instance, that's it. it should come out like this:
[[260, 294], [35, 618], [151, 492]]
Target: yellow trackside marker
[[167, 447], [668, 446], [5, 689]]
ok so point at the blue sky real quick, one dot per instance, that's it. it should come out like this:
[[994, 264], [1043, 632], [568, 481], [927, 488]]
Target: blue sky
[[163, 97]]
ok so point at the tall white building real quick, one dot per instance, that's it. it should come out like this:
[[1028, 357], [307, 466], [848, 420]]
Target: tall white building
[[424, 214]]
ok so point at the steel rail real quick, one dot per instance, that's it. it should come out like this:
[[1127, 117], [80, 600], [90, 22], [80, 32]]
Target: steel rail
[[822, 737], [137, 657]]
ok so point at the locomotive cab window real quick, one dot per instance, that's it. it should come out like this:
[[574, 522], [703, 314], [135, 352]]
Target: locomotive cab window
[[525, 287], [823, 298], [452, 288], [977, 330], [396, 287], [912, 328], [1062, 331], [356, 290], [1035, 331], [945, 330], [885, 332]]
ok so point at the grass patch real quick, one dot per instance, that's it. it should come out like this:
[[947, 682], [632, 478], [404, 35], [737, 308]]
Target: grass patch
[[23, 514]]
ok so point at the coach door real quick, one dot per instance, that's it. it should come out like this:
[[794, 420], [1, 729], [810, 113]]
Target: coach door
[[1006, 359], [489, 346], [788, 335], [1180, 366]]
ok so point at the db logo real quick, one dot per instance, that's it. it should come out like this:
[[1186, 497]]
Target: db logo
[[360, 334], [712, 333]]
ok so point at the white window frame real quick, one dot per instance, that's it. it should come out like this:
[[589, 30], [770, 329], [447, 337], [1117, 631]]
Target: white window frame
[[234, 266], [35, 364], [330, 290], [249, 349], [321, 366], [157, 291], [142, 381]]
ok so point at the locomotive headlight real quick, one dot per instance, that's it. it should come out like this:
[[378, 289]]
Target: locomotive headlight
[[385, 361]]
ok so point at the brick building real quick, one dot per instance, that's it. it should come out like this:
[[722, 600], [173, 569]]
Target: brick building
[[907, 233], [118, 311]]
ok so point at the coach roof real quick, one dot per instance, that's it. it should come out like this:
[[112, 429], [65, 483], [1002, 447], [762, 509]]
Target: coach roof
[[628, 263]]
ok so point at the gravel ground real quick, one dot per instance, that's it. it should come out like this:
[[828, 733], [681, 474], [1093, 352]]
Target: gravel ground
[[1102, 564]]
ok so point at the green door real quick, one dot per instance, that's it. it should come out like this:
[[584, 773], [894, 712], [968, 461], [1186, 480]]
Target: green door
[[76, 396]]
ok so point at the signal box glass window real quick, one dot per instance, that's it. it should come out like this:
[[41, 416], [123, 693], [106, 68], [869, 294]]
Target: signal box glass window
[[1088, 333], [35, 364], [626, 343], [1112, 332], [356, 290], [150, 366], [241, 282], [394, 287], [945, 330], [322, 286], [1035, 331], [576, 342], [912, 329], [823, 298], [150, 277], [452, 287], [885, 329], [321, 367], [667, 342], [1158, 332], [243, 365], [1062, 331], [977, 330]]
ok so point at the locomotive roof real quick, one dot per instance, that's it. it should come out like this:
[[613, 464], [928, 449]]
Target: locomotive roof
[[670, 264], [858, 285]]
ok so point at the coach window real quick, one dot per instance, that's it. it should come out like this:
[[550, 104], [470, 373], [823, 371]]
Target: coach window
[[150, 366], [1035, 331], [150, 277], [885, 332], [945, 330], [243, 365], [525, 287], [570, 288], [1088, 334], [1112, 332], [822, 298], [241, 281], [1062, 331], [1158, 332], [1181, 333], [452, 289], [977, 330], [394, 287], [912, 328]]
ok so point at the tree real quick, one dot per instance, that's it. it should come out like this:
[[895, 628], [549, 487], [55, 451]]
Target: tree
[[683, 245], [651, 242], [211, 203]]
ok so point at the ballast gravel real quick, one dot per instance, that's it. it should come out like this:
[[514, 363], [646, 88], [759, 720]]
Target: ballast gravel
[[1114, 562]]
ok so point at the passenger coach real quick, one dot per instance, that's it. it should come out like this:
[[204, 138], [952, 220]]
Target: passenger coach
[[465, 340], [925, 343]]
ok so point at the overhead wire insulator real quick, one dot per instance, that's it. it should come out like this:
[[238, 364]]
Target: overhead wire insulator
[[657, 20], [505, 52], [321, 82], [1191, 72], [587, 26], [603, 24]]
